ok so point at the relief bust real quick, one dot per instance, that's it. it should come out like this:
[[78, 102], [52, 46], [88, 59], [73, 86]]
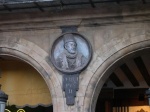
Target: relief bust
[[70, 58], [71, 53]]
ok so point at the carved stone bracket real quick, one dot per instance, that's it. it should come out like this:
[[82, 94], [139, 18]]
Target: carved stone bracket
[[70, 86]]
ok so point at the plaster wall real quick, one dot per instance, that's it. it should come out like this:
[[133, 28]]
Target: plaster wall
[[23, 84], [112, 31]]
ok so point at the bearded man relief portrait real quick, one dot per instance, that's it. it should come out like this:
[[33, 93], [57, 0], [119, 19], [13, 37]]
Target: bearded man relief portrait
[[70, 58], [71, 53]]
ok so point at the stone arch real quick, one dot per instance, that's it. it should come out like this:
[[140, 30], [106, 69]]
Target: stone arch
[[36, 57], [105, 66]]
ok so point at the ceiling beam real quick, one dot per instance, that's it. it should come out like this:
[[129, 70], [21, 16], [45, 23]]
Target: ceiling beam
[[144, 1], [118, 1], [24, 1], [38, 6], [129, 75], [55, 3], [7, 8], [142, 68], [92, 4], [113, 77]]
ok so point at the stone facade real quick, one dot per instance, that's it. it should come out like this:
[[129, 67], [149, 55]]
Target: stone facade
[[114, 32]]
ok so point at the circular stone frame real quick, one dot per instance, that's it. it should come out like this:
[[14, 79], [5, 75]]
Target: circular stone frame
[[83, 46]]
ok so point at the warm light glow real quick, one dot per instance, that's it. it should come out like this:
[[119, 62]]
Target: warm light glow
[[6, 110], [21, 110], [139, 109], [133, 108]]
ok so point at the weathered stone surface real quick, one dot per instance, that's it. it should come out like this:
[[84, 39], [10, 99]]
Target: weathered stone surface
[[113, 33]]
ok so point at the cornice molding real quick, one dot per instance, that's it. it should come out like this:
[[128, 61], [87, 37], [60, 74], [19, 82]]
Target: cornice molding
[[115, 14]]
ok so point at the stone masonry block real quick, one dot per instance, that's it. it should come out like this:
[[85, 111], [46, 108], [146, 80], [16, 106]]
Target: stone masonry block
[[40, 51], [85, 77], [96, 62], [81, 91], [35, 56], [25, 43]]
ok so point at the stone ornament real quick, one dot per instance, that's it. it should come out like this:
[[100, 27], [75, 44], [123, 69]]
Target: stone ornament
[[71, 53]]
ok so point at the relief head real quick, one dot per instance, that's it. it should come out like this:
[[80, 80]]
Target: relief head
[[70, 43]]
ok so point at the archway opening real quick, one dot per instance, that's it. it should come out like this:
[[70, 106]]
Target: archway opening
[[24, 85], [125, 87]]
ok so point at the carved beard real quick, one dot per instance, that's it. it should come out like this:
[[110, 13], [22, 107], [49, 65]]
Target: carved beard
[[76, 57], [69, 55]]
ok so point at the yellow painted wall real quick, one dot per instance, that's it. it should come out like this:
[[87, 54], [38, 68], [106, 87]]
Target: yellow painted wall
[[23, 84], [132, 109], [139, 109]]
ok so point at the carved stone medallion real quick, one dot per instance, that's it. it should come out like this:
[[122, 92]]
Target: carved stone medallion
[[71, 53]]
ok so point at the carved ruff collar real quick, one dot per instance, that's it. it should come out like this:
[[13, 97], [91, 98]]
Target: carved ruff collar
[[71, 56]]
